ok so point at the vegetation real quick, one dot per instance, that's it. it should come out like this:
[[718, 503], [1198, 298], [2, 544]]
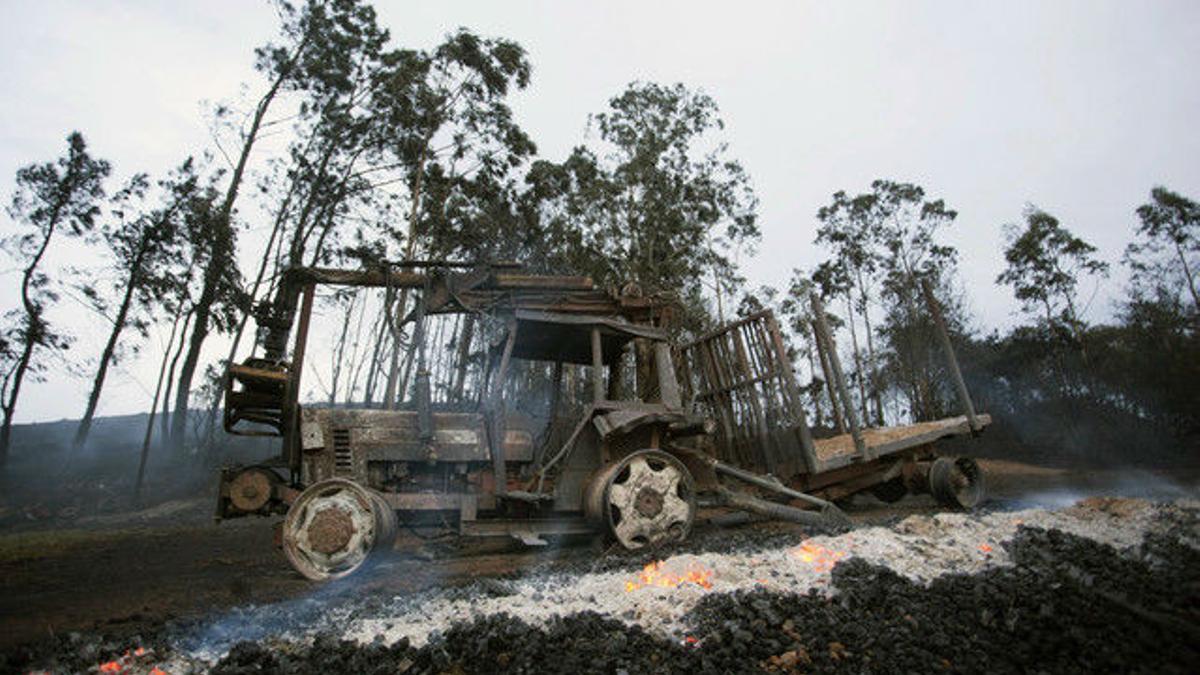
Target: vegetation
[[396, 153]]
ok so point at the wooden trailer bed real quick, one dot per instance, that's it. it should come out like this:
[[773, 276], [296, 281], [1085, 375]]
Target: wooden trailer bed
[[838, 451]]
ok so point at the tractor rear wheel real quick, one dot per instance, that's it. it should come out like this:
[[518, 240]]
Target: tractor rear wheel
[[645, 499]]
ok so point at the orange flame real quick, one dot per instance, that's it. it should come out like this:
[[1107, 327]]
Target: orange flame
[[654, 575], [121, 663], [822, 559], [985, 548]]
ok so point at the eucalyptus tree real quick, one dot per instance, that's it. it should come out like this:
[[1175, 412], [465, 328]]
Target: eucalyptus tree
[[312, 51], [144, 245], [852, 228], [451, 136], [833, 279], [910, 223], [1044, 264], [658, 201], [1168, 244], [331, 134], [796, 310], [61, 195]]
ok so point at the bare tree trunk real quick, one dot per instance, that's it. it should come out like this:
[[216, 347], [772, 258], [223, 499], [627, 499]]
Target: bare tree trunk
[[1187, 272], [339, 353], [381, 336], [409, 250], [862, 389], [276, 230], [464, 353], [166, 399], [871, 372], [162, 371], [85, 424], [358, 357], [34, 333], [219, 244]]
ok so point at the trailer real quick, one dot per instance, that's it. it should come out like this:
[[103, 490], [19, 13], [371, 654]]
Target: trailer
[[632, 435]]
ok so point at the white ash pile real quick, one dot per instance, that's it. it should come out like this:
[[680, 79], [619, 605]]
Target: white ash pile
[[1108, 582], [659, 598]]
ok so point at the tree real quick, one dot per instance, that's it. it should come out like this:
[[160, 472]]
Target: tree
[[852, 228], [311, 52], [1045, 263], [143, 246], [660, 203], [453, 139], [49, 197], [1170, 242], [882, 241], [909, 225]]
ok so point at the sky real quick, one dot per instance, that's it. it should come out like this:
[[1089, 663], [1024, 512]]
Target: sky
[[1076, 107]]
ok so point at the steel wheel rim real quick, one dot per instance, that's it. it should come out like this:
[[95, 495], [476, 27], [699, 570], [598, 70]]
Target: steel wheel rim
[[312, 553], [649, 500], [957, 482]]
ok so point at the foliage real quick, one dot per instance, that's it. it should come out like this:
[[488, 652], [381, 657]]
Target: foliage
[[1045, 263], [658, 202], [1163, 258], [48, 197]]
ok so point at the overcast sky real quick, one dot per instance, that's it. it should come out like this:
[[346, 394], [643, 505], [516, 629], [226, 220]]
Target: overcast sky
[[1077, 107]]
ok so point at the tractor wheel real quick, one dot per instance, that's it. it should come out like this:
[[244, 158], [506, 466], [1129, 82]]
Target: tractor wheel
[[334, 526], [644, 499], [956, 482]]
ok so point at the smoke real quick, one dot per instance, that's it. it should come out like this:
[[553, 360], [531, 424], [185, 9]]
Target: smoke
[[1127, 482], [47, 481], [325, 607]]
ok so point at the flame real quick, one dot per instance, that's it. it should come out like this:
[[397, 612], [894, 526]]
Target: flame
[[985, 548], [127, 660], [654, 575], [691, 641], [822, 559]]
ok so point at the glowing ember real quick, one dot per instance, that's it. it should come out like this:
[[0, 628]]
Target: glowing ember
[[822, 559], [654, 575], [127, 661]]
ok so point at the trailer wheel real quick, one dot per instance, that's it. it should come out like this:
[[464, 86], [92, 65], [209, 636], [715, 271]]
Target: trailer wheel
[[956, 482], [334, 526], [890, 491], [645, 499]]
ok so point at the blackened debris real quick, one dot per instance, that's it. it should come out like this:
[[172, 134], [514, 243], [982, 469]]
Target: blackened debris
[[1067, 605]]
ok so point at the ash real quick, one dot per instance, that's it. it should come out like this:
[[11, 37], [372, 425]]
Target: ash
[[1106, 584], [919, 548]]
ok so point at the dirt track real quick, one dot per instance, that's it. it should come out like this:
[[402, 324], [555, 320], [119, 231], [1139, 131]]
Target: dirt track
[[125, 575]]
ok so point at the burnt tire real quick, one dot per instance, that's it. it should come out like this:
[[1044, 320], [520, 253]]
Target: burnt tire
[[334, 527], [956, 482]]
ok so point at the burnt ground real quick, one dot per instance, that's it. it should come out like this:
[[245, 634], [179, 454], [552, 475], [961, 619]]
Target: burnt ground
[[127, 575]]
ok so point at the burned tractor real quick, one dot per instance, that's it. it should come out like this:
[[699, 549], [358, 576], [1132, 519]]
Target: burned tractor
[[662, 430]]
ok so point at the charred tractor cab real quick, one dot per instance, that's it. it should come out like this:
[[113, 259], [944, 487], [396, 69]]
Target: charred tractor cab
[[563, 409]]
